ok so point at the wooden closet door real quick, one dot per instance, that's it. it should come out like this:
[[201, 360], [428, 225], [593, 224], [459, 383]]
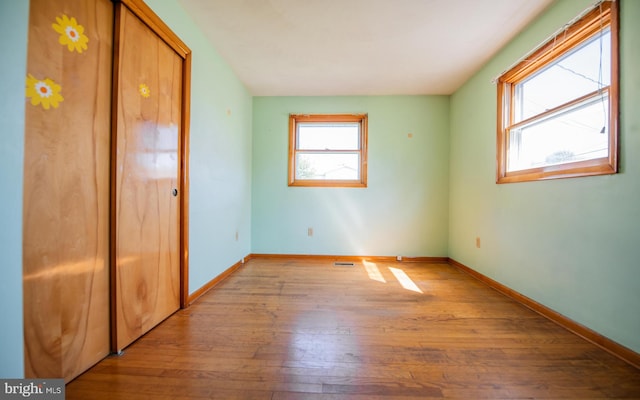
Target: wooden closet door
[[66, 186], [148, 97]]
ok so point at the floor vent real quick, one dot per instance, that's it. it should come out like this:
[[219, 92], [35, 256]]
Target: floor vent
[[342, 264]]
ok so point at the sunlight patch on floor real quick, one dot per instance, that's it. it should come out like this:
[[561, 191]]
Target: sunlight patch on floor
[[404, 280], [373, 271]]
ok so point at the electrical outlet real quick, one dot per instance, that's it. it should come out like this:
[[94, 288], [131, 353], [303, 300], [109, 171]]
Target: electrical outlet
[[398, 258], [309, 232], [237, 236], [478, 242]]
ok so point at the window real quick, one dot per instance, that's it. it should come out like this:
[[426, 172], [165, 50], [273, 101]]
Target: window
[[328, 150], [558, 109]]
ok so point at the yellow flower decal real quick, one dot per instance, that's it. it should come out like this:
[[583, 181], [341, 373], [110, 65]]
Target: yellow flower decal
[[144, 90], [45, 92], [71, 34]]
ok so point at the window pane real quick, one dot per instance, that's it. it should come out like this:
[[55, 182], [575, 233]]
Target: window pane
[[582, 71], [342, 166], [324, 136], [578, 134]]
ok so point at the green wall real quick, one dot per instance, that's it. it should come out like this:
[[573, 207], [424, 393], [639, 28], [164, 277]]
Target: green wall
[[14, 17], [220, 154], [404, 209], [570, 244]]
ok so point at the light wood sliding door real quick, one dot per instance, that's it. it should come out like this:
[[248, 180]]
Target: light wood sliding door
[[66, 186], [149, 176]]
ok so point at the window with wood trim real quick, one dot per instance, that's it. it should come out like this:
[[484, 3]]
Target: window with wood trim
[[558, 108], [328, 150]]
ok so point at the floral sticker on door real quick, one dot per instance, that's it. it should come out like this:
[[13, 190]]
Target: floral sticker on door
[[144, 90], [43, 92], [71, 34]]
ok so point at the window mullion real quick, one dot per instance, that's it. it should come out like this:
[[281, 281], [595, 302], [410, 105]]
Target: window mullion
[[555, 110]]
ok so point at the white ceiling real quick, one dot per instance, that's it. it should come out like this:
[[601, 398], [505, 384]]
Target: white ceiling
[[359, 47]]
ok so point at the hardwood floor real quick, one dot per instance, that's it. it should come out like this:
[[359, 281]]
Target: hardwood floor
[[282, 329]]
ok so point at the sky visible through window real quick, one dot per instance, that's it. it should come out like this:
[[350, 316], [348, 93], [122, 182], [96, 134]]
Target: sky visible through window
[[317, 140], [577, 133]]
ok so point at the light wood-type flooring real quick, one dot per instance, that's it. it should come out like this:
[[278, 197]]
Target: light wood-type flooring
[[280, 329]]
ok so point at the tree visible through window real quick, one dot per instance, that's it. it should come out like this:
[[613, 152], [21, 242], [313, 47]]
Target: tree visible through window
[[328, 150], [558, 108]]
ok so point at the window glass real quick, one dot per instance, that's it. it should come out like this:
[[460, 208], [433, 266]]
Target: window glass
[[328, 136], [327, 166], [558, 113], [580, 72], [328, 150], [577, 134]]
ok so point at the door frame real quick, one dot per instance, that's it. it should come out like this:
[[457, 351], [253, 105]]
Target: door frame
[[156, 25]]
